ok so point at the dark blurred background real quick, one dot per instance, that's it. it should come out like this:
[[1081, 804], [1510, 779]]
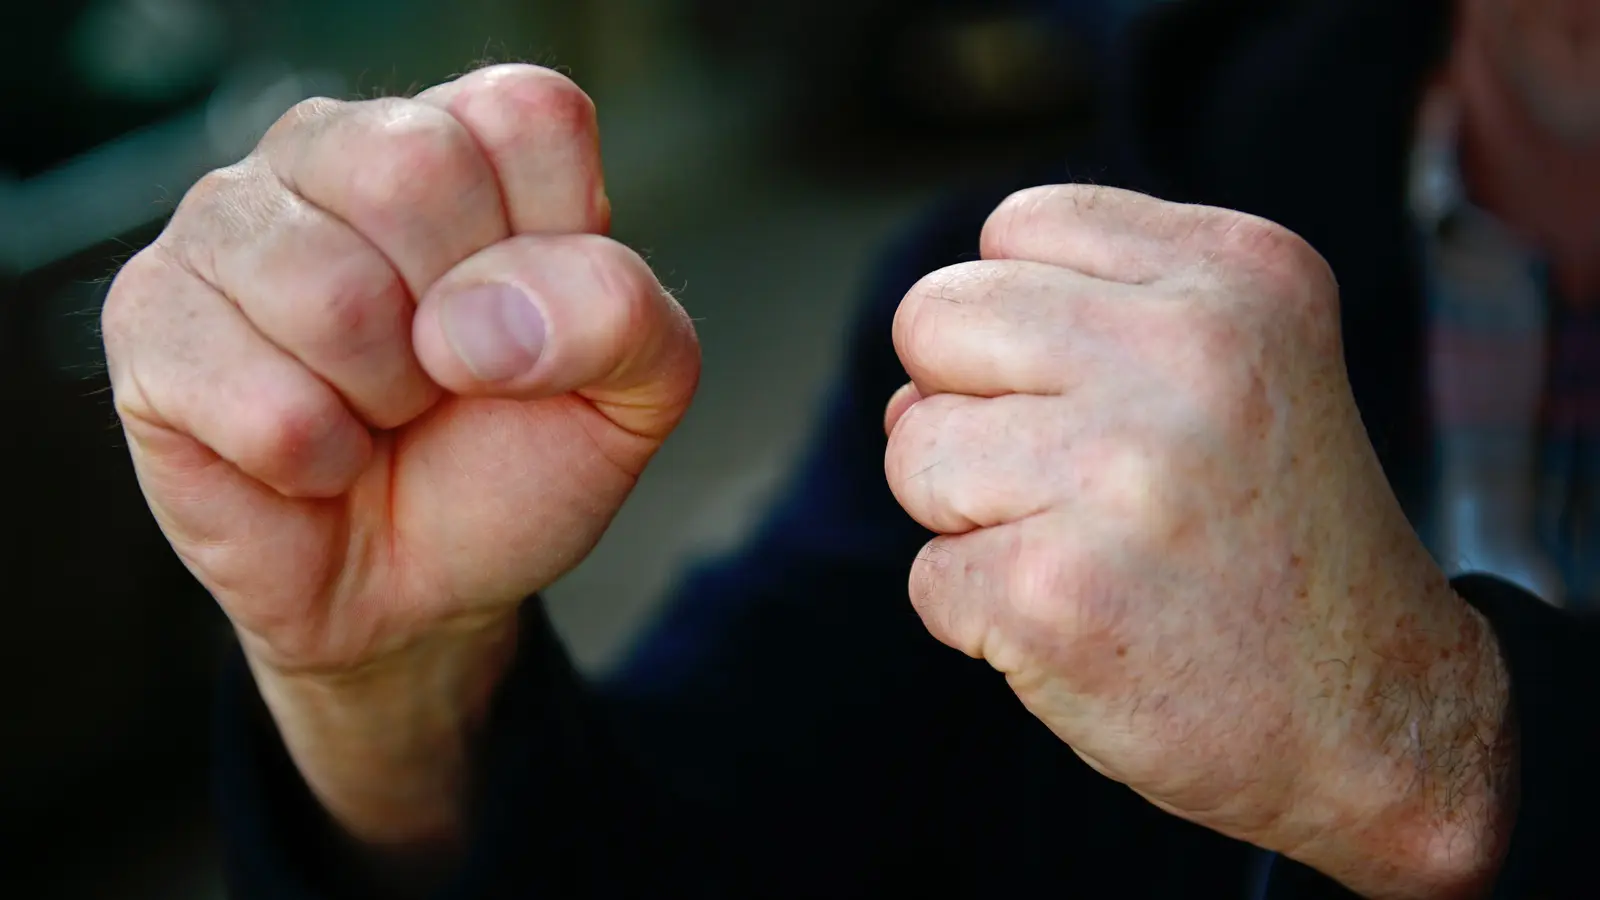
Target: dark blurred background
[[758, 153]]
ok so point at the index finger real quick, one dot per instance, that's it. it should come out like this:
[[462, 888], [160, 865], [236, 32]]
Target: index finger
[[1103, 232], [539, 132], [992, 327]]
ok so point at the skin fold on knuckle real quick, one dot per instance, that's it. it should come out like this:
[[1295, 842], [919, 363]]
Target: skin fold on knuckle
[[416, 157], [212, 197], [290, 148], [283, 436], [353, 308], [1037, 589], [1061, 606], [1123, 481], [307, 116], [632, 314], [621, 275], [981, 456], [222, 216]]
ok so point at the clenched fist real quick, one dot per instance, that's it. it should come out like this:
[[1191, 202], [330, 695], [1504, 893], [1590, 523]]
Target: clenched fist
[[382, 380], [1161, 518]]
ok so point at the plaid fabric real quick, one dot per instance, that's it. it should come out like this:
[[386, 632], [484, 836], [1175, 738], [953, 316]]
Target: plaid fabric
[[1514, 382]]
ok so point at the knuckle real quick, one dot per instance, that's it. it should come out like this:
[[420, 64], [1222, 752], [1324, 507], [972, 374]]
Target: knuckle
[[310, 113], [632, 298], [1232, 355], [418, 154], [232, 203], [1258, 238], [1056, 597], [538, 94], [618, 270], [1126, 482], [132, 310], [126, 301], [282, 435], [1038, 583], [1275, 255], [211, 189], [360, 306], [623, 278]]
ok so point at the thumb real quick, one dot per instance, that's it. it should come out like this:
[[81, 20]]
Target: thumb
[[541, 315]]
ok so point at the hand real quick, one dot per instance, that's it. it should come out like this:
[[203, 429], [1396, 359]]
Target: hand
[[382, 380], [1162, 520]]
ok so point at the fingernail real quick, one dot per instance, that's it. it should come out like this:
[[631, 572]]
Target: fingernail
[[495, 329]]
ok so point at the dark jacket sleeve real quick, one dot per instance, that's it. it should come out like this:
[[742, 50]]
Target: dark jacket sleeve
[[561, 811], [774, 734], [1554, 658], [1554, 661]]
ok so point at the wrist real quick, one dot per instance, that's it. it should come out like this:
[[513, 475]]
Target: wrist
[[1432, 814], [386, 746], [1474, 763], [1459, 827]]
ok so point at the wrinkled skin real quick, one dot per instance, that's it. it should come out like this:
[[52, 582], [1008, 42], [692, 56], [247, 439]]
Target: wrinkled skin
[[1162, 520], [369, 504], [315, 450]]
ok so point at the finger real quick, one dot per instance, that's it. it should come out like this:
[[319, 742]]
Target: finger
[[988, 328], [1016, 593], [221, 521], [1102, 232], [405, 175], [960, 463], [310, 284], [539, 132], [541, 315], [958, 587], [899, 402], [185, 360]]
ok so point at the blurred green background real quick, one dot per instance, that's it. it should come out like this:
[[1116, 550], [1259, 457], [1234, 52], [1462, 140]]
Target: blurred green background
[[758, 154]]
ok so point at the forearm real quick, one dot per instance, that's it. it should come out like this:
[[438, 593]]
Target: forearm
[[388, 750]]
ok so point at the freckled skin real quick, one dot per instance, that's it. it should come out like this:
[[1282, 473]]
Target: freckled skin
[[1197, 576], [368, 512]]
